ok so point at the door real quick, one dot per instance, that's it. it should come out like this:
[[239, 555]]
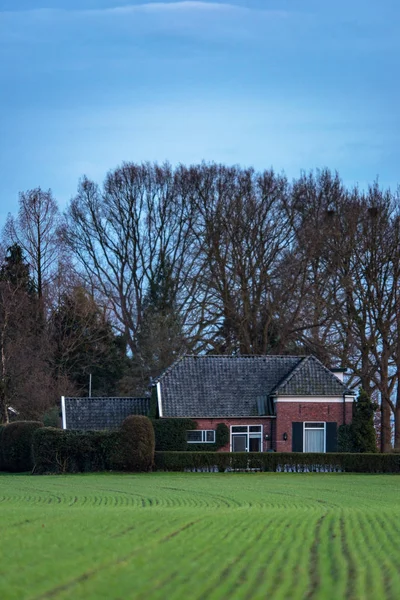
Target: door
[[239, 442], [255, 443]]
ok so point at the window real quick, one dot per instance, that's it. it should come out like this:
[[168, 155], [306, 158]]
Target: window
[[246, 428], [314, 437], [201, 436]]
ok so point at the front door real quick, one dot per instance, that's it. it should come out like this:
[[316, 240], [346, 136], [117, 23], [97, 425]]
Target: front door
[[246, 438], [239, 442], [254, 443]]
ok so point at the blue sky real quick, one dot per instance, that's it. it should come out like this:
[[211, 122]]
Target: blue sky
[[293, 84]]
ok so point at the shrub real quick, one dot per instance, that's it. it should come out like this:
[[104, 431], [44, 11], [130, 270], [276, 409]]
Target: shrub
[[222, 435], [52, 418], [170, 434], [345, 440], [16, 445], [137, 444], [69, 451], [278, 461]]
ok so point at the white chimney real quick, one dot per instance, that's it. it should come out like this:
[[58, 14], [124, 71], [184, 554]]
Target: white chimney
[[339, 373]]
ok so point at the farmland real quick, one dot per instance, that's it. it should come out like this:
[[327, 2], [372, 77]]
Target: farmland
[[200, 536]]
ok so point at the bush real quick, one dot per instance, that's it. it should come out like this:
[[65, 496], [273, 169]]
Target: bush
[[222, 435], [170, 434], [52, 418], [345, 442], [274, 461], [137, 444], [16, 445], [69, 451]]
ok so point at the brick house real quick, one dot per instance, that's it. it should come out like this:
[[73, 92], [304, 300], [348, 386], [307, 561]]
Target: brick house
[[269, 403]]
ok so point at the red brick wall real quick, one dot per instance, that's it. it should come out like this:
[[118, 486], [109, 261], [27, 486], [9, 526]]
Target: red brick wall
[[289, 412], [265, 421]]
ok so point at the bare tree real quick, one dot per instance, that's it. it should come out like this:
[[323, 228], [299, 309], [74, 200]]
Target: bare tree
[[119, 233], [36, 230], [352, 254]]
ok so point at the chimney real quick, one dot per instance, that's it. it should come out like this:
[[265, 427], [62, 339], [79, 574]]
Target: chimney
[[339, 373]]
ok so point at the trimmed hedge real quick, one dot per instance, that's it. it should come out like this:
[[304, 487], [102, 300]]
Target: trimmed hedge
[[16, 445], [69, 451], [274, 461], [137, 444]]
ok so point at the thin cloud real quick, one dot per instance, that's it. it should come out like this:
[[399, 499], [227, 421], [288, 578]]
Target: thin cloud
[[154, 7], [173, 6]]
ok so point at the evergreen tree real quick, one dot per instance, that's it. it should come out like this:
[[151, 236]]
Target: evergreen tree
[[26, 383], [363, 430], [15, 271]]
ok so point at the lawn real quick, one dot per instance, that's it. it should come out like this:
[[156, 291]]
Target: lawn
[[200, 536]]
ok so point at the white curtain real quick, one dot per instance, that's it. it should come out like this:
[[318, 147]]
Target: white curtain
[[314, 440]]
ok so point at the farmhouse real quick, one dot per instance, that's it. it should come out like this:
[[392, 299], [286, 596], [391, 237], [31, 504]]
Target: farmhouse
[[269, 403]]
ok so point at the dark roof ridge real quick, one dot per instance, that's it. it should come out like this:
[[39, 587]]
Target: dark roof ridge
[[226, 356], [288, 377], [347, 389], [301, 364], [168, 369]]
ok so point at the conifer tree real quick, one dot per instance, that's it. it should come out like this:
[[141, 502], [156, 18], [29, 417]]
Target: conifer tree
[[363, 430]]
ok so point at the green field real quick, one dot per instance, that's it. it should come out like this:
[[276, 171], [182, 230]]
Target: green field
[[200, 536]]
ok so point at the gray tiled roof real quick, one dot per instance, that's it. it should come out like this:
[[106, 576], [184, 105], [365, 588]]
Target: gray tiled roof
[[221, 386], [228, 386], [311, 378], [102, 413]]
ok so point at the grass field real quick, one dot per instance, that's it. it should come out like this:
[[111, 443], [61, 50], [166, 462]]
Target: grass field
[[200, 536]]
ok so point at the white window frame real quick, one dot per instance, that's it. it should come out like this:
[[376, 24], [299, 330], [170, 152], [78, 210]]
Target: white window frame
[[308, 423], [248, 433], [204, 439]]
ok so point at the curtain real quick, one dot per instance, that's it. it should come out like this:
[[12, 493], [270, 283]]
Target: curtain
[[314, 440]]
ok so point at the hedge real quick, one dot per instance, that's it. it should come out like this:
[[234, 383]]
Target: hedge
[[69, 451], [278, 461], [16, 445]]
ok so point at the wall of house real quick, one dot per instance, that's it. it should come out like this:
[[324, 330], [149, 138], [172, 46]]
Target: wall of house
[[267, 422], [289, 412]]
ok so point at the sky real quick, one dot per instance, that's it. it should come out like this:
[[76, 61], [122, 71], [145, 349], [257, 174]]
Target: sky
[[289, 84]]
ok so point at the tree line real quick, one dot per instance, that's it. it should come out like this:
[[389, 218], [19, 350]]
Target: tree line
[[158, 261]]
